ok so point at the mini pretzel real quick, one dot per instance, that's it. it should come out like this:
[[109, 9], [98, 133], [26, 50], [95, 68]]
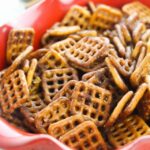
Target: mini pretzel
[[67, 90], [91, 7], [77, 15], [84, 136], [52, 60], [14, 91], [141, 71], [124, 66], [146, 36], [63, 46], [118, 109], [135, 100], [116, 77], [87, 52], [91, 101], [105, 17], [62, 127], [18, 41], [53, 80], [2, 74], [55, 111], [17, 61], [126, 131]]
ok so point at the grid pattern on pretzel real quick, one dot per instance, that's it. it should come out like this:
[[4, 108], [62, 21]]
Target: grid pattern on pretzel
[[61, 127], [18, 41], [91, 101], [105, 17], [86, 51], [67, 90], [14, 91], [53, 80], [127, 130], [52, 60], [77, 16], [55, 111], [63, 46], [84, 136], [31, 107]]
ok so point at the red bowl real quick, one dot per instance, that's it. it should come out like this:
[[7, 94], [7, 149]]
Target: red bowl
[[41, 17]]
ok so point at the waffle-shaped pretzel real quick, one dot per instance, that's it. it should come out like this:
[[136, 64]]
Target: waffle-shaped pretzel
[[67, 90], [14, 91], [135, 100], [142, 10], [124, 66], [17, 61], [141, 71], [84, 136], [77, 15], [63, 46], [116, 76], [53, 80], [83, 33], [61, 127], [55, 111], [31, 107], [127, 130], [91, 101], [118, 109], [18, 41], [52, 60], [105, 17], [87, 53]]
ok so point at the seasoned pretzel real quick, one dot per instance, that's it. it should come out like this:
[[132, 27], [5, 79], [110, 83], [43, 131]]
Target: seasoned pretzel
[[53, 80], [14, 91], [63, 126], [85, 136], [126, 131], [55, 111], [77, 15], [52, 60], [116, 77], [18, 41], [91, 101], [105, 17], [119, 108]]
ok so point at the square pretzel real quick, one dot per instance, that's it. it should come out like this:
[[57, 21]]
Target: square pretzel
[[55, 111], [84, 136], [14, 91], [91, 101], [53, 80], [18, 41]]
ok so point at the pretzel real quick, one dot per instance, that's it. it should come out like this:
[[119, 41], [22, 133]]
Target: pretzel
[[87, 52], [84, 136], [53, 80], [124, 66], [116, 77], [91, 7], [67, 90], [17, 61], [14, 91], [83, 33], [118, 109], [146, 36], [105, 17], [140, 72], [18, 41], [142, 10], [91, 101], [62, 127], [126, 131], [63, 46], [31, 107], [52, 60], [55, 111], [2, 74], [77, 15]]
